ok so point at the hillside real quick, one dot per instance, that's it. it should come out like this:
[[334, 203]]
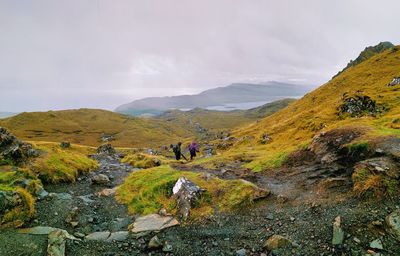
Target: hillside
[[88, 126], [235, 93], [294, 127], [92, 127]]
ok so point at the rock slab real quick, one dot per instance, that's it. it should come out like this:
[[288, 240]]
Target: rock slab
[[152, 222]]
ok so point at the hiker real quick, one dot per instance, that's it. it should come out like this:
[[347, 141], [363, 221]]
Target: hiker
[[177, 151], [193, 148]]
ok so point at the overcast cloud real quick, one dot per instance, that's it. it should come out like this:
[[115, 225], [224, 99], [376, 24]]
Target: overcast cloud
[[102, 53]]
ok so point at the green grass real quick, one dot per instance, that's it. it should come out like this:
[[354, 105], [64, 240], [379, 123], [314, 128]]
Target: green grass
[[62, 165], [144, 161], [147, 191]]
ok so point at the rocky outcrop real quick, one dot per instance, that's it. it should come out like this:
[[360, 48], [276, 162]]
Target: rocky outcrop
[[395, 81], [359, 105], [65, 144], [106, 149], [327, 146], [9, 200], [100, 179], [14, 150], [186, 194]]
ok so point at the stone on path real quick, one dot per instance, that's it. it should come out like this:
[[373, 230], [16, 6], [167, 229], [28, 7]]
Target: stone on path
[[152, 222], [107, 192], [376, 244], [56, 243], [61, 196], [118, 236], [338, 233], [186, 193], [277, 242], [154, 243], [393, 224], [98, 236], [100, 179], [43, 230]]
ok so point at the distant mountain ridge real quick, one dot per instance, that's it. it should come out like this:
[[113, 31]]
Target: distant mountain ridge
[[234, 93]]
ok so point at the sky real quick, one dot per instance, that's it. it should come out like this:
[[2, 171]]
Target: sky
[[102, 53]]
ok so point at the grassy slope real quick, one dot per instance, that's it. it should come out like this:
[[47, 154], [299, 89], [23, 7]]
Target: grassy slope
[[53, 165], [294, 126], [149, 190], [85, 127]]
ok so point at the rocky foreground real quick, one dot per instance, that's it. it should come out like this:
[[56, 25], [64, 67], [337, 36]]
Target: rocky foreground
[[83, 218]]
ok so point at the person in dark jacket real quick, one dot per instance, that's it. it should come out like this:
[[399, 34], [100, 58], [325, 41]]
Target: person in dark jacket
[[177, 151], [193, 149]]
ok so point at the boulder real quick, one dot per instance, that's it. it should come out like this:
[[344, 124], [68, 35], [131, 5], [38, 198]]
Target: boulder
[[98, 236], [376, 244], [393, 224], [186, 194], [338, 233], [100, 179], [118, 236], [65, 144], [277, 242], [154, 243], [152, 222]]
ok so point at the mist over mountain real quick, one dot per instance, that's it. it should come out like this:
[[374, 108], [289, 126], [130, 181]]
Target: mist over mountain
[[234, 93]]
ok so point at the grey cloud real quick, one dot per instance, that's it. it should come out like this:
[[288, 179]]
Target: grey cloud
[[70, 54]]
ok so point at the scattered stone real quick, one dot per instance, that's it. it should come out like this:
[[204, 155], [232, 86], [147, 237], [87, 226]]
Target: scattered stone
[[281, 199], [292, 219], [72, 216], [61, 196], [355, 239], [98, 236], [154, 243], [186, 194], [107, 137], [86, 199], [162, 212], [376, 244], [65, 144], [152, 222], [167, 247], [338, 233], [120, 224], [56, 243], [118, 236], [393, 224], [100, 179], [79, 235], [241, 252], [107, 192], [277, 242]]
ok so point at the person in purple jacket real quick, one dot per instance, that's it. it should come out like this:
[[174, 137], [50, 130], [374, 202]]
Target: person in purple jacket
[[193, 148]]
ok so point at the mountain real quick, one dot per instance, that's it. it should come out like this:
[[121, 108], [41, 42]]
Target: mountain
[[235, 93], [367, 53], [362, 96]]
